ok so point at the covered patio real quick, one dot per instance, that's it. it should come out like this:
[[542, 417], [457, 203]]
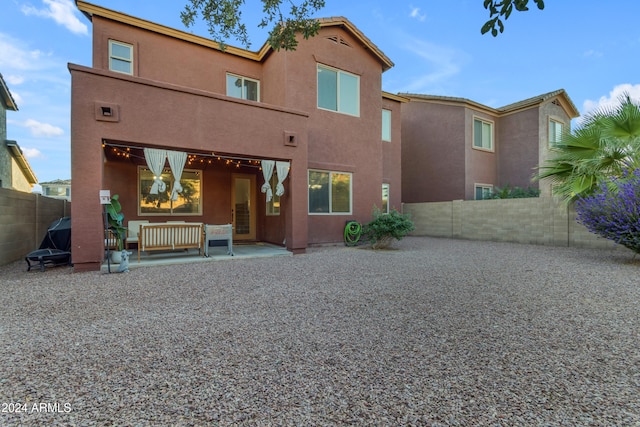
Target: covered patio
[[221, 170], [191, 256]]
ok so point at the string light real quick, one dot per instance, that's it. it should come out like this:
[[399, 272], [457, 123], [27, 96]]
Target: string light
[[124, 151]]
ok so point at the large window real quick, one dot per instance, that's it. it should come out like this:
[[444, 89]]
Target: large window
[[329, 192], [120, 57], [243, 87], [386, 125], [482, 134], [189, 202], [338, 91], [555, 133], [483, 191], [385, 198]]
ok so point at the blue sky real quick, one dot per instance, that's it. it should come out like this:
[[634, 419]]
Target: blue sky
[[589, 48]]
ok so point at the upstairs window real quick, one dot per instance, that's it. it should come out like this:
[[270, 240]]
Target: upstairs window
[[243, 87], [120, 57], [386, 125], [482, 134], [338, 91], [555, 133]]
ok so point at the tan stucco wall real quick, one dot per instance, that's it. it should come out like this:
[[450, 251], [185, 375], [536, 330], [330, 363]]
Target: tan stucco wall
[[24, 219], [541, 221]]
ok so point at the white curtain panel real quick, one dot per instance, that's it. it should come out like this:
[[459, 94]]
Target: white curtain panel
[[267, 171], [282, 169], [155, 160], [177, 159]]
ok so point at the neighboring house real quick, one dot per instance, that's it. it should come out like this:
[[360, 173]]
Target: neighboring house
[[57, 189], [314, 119], [15, 171], [458, 149]]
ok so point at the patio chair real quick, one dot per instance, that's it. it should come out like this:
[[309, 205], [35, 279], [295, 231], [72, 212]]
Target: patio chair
[[133, 230]]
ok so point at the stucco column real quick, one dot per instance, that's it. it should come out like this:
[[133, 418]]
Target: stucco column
[[297, 208], [87, 224]]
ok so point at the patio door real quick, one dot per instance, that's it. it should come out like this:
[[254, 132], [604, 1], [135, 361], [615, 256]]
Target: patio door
[[243, 207]]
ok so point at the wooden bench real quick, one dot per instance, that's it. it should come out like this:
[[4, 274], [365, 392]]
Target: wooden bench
[[170, 236]]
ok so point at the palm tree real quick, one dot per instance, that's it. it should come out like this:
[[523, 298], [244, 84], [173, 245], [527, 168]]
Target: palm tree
[[605, 145]]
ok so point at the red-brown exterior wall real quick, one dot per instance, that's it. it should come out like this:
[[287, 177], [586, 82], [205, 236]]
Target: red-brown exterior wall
[[177, 99], [433, 152]]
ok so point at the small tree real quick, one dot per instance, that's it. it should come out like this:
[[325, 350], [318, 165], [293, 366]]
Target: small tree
[[386, 227], [613, 210]]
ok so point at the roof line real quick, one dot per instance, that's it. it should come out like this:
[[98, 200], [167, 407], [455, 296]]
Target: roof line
[[507, 109], [6, 95], [22, 161], [89, 10]]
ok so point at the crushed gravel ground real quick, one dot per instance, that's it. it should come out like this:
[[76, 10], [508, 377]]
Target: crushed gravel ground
[[433, 332]]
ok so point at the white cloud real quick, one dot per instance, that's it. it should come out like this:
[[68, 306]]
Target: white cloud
[[591, 53], [613, 99], [32, 153], [14, 80], [63, 12], [39, 129], [441, 64], [16, 97], [415, 13], [16, 57]]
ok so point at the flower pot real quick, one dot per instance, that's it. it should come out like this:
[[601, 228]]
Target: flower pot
[[116, 257]]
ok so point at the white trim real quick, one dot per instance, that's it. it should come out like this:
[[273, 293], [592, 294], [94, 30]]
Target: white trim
[[119, 58], [390, 127], [243, 78], [473, 134], [338, 72], [330, 190], [483, 186]]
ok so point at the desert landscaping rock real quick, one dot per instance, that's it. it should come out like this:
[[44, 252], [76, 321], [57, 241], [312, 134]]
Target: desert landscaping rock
[[432, 332]]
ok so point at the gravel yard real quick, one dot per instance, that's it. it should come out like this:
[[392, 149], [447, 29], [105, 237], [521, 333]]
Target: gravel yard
[[433, 332]]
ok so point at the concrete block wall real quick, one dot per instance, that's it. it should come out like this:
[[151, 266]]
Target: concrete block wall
[[540, 221], [24, 219]]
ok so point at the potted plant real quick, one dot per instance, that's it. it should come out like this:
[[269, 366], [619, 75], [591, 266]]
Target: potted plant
[[115, 218]]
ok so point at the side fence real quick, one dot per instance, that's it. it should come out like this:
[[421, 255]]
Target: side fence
[[24, 219], [540, 221]]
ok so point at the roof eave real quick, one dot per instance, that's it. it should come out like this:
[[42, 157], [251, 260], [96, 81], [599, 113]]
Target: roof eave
[[22, 162]]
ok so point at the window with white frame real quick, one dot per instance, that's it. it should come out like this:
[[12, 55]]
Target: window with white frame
[[243, 87], [482, 134], [120, 57], [385, 198], [273, 206], [338, 91], [386, 125], [483, 191], [189, 202], [555, 133], [329, 192]]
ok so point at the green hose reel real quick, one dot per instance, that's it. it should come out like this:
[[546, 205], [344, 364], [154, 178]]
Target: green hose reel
[[352, 233]]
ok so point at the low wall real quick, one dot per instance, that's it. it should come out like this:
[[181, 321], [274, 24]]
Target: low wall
[[24, 219], [540, 221]]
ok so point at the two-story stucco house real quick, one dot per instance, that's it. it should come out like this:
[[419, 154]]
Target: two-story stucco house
[[160, 107], [15, 171], [458, 149]]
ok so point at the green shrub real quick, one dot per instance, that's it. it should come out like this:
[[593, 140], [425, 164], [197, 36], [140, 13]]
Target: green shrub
[[508, 192], [385, 227]]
